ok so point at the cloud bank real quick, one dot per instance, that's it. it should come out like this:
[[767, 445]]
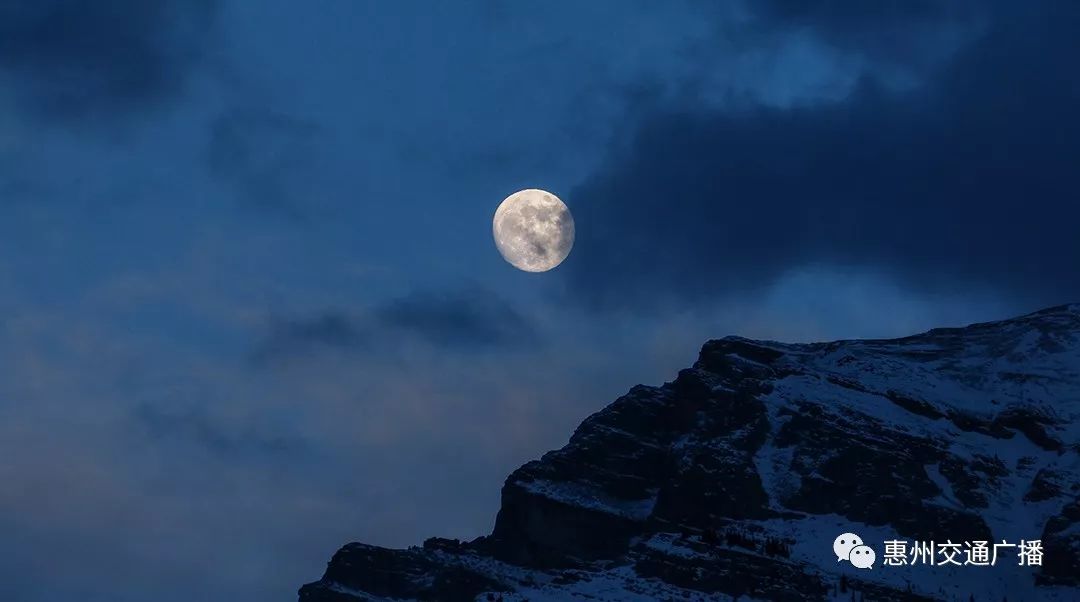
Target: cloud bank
[[964, 180]]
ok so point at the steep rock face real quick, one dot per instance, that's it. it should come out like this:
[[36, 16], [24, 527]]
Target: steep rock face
[[733, 479]]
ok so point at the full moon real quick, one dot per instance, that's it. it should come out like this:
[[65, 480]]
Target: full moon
[[533, 230]]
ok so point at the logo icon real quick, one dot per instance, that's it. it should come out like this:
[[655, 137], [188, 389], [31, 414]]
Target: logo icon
[[862, 557], [850, 547]]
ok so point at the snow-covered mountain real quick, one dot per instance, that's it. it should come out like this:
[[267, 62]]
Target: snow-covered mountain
[[733, 480]]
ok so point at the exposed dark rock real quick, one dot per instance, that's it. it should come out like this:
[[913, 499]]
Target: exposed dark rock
[[731, 572], [357, 571], [1033, 423], [1046, 485], [1061, 547], [915, 406]]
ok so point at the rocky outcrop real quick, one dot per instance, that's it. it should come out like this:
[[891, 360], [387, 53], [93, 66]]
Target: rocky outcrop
[[358, 571], [732, 479], [1061, 539]]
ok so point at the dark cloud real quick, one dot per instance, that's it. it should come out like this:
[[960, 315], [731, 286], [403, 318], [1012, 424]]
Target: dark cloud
[[265, 157], [967, 179], [196, 425], [331, 330], [466, 320], [69, 59]]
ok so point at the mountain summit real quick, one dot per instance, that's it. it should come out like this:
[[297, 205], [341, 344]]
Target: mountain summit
[[733, 480]]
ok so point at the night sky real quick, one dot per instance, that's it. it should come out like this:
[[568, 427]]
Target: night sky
[[250, 305]]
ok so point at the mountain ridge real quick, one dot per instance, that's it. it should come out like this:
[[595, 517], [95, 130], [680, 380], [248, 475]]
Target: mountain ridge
[[732, 479]]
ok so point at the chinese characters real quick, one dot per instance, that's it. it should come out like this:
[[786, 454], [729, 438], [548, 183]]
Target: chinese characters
[[977, 553]]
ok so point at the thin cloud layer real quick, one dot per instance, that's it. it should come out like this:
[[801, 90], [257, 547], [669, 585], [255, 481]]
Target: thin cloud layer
[[965, 180], [467, 318], [458, 320], [900, 32], [195, 424], [266, 158]]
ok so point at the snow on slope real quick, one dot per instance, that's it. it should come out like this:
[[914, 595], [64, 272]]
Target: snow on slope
[[732, 480]]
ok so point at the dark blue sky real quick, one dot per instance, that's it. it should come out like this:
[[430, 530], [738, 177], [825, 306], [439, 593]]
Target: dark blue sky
[[252, 309]]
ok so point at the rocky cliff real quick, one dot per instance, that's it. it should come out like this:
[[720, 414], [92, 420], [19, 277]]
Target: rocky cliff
[[732, 480]]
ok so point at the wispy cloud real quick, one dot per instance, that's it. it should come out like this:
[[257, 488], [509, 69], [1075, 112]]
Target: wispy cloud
[[267, 159], [457, 320]]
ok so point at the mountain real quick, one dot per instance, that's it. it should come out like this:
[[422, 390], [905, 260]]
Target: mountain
[[733, 480]]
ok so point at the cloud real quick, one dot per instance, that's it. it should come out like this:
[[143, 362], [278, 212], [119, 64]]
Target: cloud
[[77, 60], [965, 180], [122, 435], [266, 157], [194, 424], [466, 319], [301, 336], [890, 31], [462, 318]]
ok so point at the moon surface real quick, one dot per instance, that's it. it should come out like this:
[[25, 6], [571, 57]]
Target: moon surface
[[533, 230]]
